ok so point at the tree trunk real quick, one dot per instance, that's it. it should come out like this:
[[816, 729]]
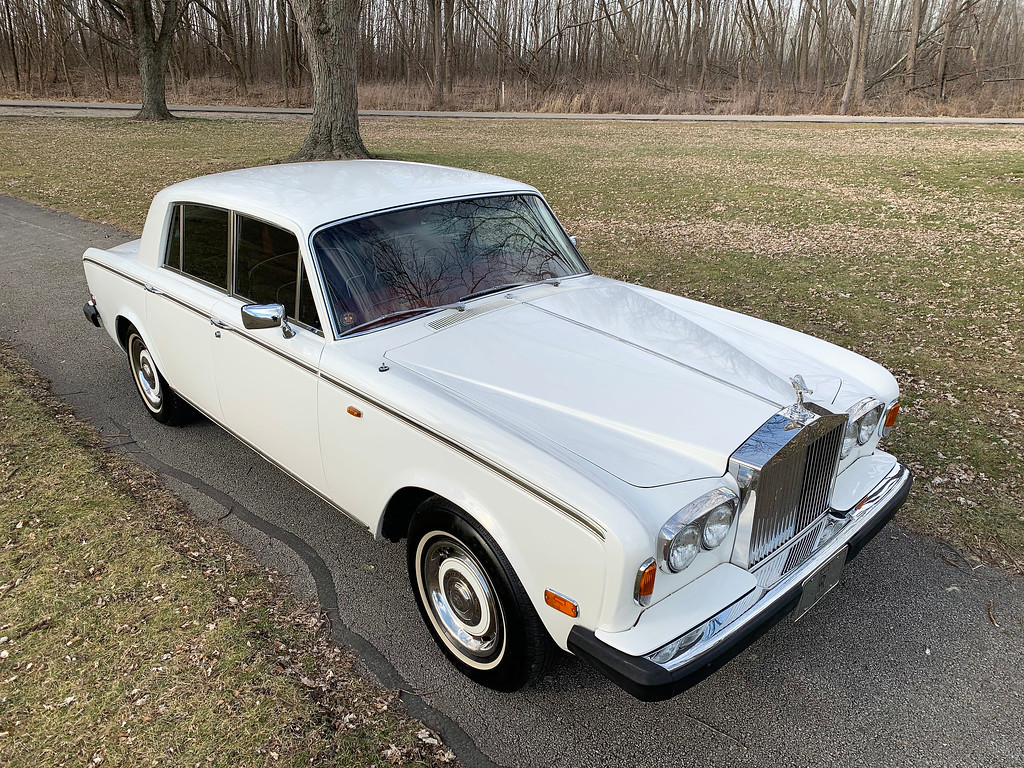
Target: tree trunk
[[819, 89], [909, 79], [803, 44], [437, 72], [282, 47], [330, 32], [851, 72], [153, 48], [947, 35], [862, 53], [449, 45], [152, 77]]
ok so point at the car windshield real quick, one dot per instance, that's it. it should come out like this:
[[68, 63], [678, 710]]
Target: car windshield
[[392, 266]]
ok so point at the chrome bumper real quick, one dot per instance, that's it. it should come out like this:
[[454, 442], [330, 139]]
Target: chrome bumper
[[739, 625]]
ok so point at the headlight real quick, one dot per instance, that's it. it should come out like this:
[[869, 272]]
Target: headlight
[[869, 423], [705, 521], [849, 438], [683, 548], [864, 417], [718, 523]]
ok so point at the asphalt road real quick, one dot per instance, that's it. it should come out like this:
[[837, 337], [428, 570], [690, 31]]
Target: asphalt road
[[114, 109], [900, 666]]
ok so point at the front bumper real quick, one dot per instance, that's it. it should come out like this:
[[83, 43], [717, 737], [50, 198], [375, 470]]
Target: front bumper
[[650, 681]]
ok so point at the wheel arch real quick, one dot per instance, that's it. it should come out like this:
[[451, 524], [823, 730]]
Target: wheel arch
[[127, 319], [398, 512], [121, 326], [513, 523]]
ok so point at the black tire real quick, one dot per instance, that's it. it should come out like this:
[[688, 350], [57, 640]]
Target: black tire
[[162, 403], [453, 565]]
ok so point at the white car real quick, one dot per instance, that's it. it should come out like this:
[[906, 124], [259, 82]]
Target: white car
[[646, 481]]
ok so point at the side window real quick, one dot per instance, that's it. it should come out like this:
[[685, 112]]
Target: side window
[[307, 309], [267, 264], [204, 252], [172, 257]]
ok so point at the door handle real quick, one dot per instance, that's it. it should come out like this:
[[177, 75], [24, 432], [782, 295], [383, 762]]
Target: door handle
[[153, 289], [219, 323]]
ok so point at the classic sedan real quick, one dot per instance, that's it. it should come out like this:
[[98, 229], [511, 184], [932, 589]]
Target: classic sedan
[[643, 480]]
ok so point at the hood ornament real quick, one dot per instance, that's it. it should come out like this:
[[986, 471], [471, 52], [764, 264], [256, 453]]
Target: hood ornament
[[801, 389], [798, 414]]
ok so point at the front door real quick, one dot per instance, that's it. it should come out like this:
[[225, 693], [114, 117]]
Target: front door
[[266, 382]]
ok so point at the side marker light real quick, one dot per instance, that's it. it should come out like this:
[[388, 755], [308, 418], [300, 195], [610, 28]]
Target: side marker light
[[561, 603]]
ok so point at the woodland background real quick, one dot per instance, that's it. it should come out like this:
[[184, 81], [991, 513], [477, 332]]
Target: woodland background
[[957, 57]]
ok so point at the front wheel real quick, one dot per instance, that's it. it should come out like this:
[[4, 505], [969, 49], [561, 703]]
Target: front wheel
[[160, 400], [471, 600]]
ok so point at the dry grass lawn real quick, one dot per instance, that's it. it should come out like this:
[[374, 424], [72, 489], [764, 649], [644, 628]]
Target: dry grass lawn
[[903, 243], [132, 635]]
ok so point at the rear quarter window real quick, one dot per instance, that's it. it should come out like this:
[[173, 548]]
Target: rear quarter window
[[172, 256], [205, 244]]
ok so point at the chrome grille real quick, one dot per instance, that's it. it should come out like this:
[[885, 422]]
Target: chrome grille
[[791, 466], [793, 492], [819, 471]]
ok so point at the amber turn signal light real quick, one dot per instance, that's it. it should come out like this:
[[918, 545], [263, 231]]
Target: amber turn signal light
[[890, 419], [644, 587], [561, 603], [353, 411]]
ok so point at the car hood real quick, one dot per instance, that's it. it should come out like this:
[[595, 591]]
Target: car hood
[[643, 390]]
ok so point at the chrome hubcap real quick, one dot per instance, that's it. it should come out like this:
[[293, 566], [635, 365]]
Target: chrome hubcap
[[146, 375], [461, 600]]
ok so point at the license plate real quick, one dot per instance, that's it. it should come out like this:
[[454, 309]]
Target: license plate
[[819, 583]]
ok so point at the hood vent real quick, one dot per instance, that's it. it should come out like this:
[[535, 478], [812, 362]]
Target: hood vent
[[453, 318]]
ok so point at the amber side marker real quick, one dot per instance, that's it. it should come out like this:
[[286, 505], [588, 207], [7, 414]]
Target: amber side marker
[[561, 603], [646, 587], [890, 417], [353, 411]]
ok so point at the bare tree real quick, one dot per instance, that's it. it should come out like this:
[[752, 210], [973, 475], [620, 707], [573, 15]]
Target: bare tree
[[913, 35], [851, 70], [149, 41], [620, 55]]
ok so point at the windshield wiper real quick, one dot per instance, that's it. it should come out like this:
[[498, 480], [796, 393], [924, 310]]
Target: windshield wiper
[[508, 287], [402, 313]]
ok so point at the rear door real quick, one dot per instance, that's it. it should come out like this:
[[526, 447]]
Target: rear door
[[181, 296]]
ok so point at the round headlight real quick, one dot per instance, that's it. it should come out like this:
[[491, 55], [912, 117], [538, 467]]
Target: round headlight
[[868, 423], [849, 438], [717, 525], [683, 548]]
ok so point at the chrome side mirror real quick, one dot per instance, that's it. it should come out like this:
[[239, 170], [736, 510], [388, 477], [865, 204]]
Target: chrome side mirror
[[258, 316]]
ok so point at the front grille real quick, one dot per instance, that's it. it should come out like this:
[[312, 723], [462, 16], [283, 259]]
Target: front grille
[[793, 492], [793, 468]]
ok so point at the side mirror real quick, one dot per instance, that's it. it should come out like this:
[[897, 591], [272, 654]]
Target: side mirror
[[572, 239], [258, 316]]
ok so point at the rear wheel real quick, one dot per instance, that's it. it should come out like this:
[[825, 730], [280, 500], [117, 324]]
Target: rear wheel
[[471, 600], [160, 400]]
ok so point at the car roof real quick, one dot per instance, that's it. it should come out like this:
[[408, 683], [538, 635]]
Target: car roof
[[311, 194]]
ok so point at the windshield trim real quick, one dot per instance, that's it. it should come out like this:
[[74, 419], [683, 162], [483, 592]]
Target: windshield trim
[[339, 334]]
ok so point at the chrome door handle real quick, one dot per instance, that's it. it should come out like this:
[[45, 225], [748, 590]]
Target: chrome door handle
[[219, 323], [153, 289]]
